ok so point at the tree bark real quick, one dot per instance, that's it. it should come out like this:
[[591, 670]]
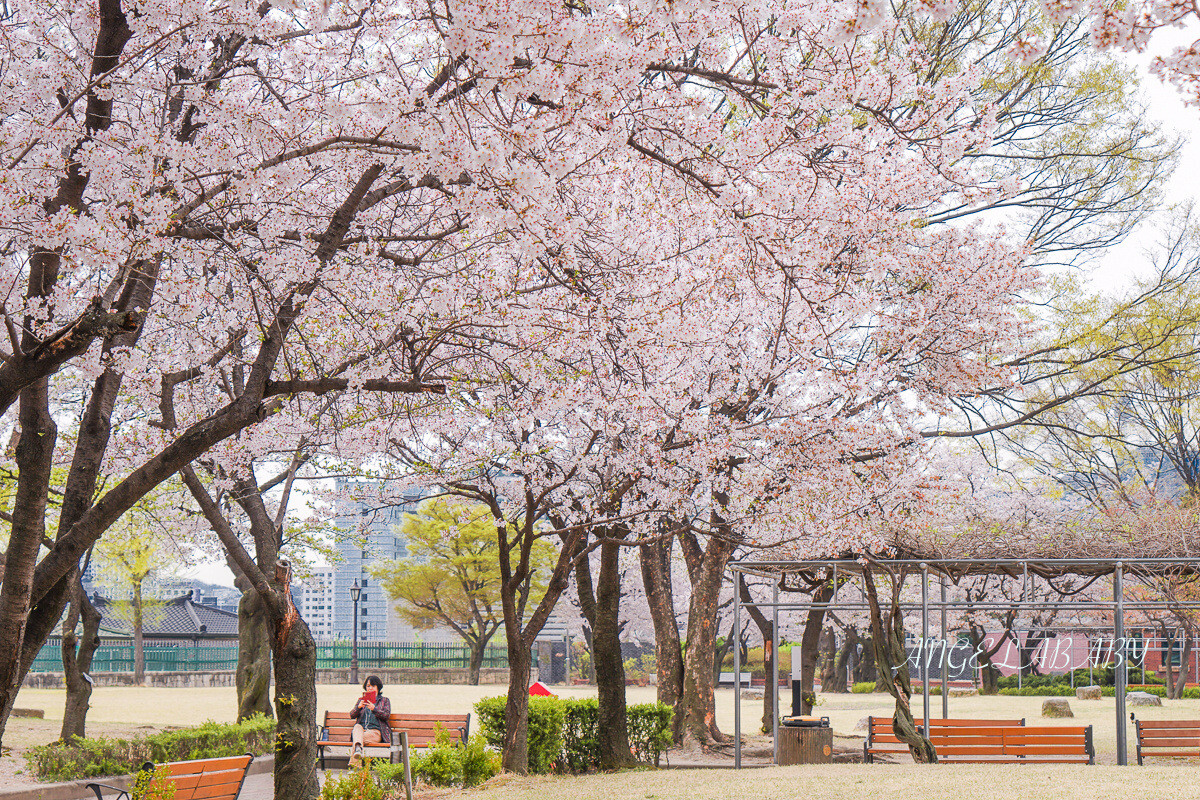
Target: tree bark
[[612, 725], [828, 653], [698, 702], [478, 648], [764, 629], [139, 642], [844, 662], [515, 750], [77, 657], [1181, 680], [809, 641], [254, 654], [295, 657], [892, 660], [655, 559]]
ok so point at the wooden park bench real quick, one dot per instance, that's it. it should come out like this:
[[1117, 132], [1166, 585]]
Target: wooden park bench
[[881, 740], [202, 779], [1039, 744], [408, 730], [1167, 738]]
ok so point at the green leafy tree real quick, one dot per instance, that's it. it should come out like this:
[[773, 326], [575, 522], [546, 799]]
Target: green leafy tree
[[451, 577], [137, 550]]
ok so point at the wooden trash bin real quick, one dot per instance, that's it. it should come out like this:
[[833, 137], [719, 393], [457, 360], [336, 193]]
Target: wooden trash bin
[[805, 745]]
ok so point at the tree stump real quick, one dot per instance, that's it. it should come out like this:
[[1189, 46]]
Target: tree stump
[[1056, 707], [1142, 699], [1088, 693], [805, 745]]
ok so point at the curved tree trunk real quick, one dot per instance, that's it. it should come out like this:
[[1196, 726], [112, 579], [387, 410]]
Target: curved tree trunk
[[891, 657], [828, 658], [253, 675], [655, 561], [77, 661], [295, 657], [698, 703]]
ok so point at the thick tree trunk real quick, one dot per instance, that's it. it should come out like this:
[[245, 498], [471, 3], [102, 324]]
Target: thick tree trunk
[[35, 459], [828, 656], [892, 659], [668, 652], [77, 661], [253, 676], [698, 702], [809, 652], [864, 669], [612, 728], [295, 657], [515, 752], [1181, 681], [478, 648], [1028, 651], [843, 664]]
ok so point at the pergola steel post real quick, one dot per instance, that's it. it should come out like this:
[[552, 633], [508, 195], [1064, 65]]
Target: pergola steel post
[[1119, 631], [945, 656], [923, 651], [737, 676], [775, 672]]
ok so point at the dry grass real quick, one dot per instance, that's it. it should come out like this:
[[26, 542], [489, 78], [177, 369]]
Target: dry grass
[[122, 711]]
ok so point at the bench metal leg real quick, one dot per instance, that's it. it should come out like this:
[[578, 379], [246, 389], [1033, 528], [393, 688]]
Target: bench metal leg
[[407, 770]]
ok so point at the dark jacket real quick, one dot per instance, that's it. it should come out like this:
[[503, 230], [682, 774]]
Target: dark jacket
[[383, 710]]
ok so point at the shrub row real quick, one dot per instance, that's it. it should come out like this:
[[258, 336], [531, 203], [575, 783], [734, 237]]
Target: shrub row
[[1064, 690], [94, 758], [563, 733], [1096, 676]]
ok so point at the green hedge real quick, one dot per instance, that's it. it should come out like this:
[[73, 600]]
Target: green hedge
[[1064, 690], [563, 733], [95, 758]]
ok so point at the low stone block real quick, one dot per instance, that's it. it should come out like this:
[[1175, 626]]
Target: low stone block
[[1142, 699], [964, 692], [1056, 707], [1088, 693]]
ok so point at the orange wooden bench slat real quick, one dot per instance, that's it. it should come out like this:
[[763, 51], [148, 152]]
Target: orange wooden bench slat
[[206, 765], [1169, 723], [200, 779]]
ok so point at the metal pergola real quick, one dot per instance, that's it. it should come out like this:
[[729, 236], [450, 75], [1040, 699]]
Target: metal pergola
[[818, 571]]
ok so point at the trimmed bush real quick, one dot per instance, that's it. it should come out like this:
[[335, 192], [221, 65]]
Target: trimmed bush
[[575, 737], [863, 688], [360, 784], [96, 758], [546, 717]]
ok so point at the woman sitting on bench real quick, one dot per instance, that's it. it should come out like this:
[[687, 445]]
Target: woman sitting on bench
[[371, 712]]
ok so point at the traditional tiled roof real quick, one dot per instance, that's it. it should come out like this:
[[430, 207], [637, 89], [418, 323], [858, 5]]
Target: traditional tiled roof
[[177, 617]]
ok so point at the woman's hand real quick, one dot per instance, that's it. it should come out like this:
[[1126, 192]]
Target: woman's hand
[[365, 704]]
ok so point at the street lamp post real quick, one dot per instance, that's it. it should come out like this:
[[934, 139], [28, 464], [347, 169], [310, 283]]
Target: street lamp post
[[355, 593]]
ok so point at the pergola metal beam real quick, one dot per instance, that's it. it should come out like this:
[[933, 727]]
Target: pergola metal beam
[[818, 571]]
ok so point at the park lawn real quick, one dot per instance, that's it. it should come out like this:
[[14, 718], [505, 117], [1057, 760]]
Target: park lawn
[[858, 782], [129, 711]]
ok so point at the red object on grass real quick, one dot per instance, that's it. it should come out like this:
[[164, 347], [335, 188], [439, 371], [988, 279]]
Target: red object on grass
[[539, 690]]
